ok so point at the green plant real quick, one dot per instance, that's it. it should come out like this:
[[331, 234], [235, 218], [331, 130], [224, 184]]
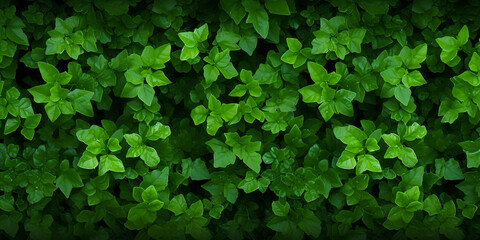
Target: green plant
[[239, 119]]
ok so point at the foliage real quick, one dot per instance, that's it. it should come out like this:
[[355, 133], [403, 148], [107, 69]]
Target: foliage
[[239, 119]]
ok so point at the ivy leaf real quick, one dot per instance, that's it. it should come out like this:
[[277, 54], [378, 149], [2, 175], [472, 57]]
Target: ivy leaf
[[81, 101], [257, 16], [68, 179], [110, 163], [222, 156], [158, 131], [368, 162]]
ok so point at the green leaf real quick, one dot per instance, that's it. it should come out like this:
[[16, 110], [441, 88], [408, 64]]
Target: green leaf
[[199, 114], [414, 131], [432, 205], [234, 9], [150, 156], [473, 153], [450, 109], [253, 161], [352, 136], [133, 139], [210, 73], [393, 75], [413, 79], [310, 224], [113, 145], [178, 205], [88, 160], [408, 157], [110, 163], [49, 72], [470, 77], [53, 111], [279, 7], [158, 131], [222, 155], [11, 125], [450, 170], [280, 208], [228, 111], [146, 94], [15, 32], [474, 63], [80, 100], [343, 102], [312, 94], [68, 180], [201, 33], [230, 192], [402, 94], [94, 137], [462, 36], [189, 53], [199, 170], [367, 162], [412, 58], [257, 16], [327, 110], [347, 160], [294, 45], [317, 72], [32, 121]]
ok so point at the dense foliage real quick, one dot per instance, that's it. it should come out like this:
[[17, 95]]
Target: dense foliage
[[239, 119]]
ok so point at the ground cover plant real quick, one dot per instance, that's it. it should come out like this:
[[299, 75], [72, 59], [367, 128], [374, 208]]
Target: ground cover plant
[[239, 119]]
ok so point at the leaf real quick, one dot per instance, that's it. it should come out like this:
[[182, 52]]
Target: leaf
[[408, 157], [158, 131], [234, 9], [280, 209], [199, 114], [133, 139], [88, 160], [150, 156], [178, 205], [68, 180], [230, 192], [462, 36], [350, 135], [146, 94], [310, 224], [49, 72], [413, 79], [432, 205], [53, 111], [222, 156], [253, 161], [414, 131], [11, 125], [80, 100], [279, 7], [317, 72], [257, 16], [149, 194], [110, 163], [470, 77], [402, 94], [368, 162], [294, 44], [412, 58], [32, 121], [199, 170]]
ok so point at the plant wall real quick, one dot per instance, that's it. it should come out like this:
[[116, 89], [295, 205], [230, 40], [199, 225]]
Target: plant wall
[[239, 119]]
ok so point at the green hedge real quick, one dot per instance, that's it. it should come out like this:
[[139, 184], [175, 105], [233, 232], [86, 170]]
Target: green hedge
[[239, 119]]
